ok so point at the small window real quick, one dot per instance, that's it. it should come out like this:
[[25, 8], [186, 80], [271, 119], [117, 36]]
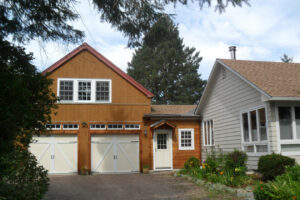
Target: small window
[[70, 126], [186, 139], [262, 124], [161, 141], [66, 90], [53, 126], [102, 91], [208, 133], [285, 123], [132, 126], [115, 126], [97, 127], [297, 121], [245, 127], [84, 90]]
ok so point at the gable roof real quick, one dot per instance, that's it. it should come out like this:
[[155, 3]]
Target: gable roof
[[275, 80], [86, 47]]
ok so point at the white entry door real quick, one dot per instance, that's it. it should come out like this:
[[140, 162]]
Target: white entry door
[[57, 154], [162, 147], [115, 153]]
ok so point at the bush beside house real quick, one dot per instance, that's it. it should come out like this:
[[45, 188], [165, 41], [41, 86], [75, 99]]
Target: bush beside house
[[273, 165]]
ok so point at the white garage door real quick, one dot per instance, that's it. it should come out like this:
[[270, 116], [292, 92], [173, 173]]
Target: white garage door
[[57, 154], [115, 153]]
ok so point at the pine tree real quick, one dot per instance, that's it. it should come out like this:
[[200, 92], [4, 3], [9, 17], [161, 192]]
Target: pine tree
[[285, 58], [165, 66]]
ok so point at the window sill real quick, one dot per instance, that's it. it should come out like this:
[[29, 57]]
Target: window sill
[[185, 149]]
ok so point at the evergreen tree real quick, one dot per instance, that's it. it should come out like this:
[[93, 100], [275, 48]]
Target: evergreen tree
[[285, 58], [165, 66]]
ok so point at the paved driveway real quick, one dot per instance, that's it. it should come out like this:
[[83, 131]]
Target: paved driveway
[[123, 186]]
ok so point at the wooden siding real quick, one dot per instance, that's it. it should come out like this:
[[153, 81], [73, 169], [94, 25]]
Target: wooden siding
[[179, 156], [128, 104], [227, 97]]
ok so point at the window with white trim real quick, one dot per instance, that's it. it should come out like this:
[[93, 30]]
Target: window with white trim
[[53, 126], [115, 126], [102, 90], [289, 128], [66, 90], [70, 126], [72, 90], [186, 139], [254, 131], [84, 90], [208, 133], [132, 126], [97, 126]]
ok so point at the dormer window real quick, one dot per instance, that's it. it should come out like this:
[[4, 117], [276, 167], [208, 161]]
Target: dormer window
[[71, 90]]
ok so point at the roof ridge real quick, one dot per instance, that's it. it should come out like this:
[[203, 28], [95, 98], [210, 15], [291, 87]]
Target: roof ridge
[[261, 61]]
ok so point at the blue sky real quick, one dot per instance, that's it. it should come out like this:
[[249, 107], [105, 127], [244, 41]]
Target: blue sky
[[263, 31]]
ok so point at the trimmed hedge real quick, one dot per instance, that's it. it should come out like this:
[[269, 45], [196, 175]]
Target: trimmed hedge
[[273, 165]]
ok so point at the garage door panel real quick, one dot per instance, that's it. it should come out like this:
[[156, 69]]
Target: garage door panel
[[42, 153], [65, 158], [130, 156], [102, 154]]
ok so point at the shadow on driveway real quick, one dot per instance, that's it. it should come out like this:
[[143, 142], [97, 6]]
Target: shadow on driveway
[[123, 186]]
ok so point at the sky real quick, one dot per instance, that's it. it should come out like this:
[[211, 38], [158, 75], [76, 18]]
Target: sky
[[265, 30]]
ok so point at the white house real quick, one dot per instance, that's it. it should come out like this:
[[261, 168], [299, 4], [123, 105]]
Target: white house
[[253, 106]]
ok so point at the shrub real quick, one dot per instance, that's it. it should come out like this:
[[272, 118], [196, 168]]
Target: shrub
[[286, 186], [21, 177], [273, 165], [192, 163], [214, 162], [236, 161]]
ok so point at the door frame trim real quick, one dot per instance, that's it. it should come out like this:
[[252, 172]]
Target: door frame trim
[[169, 131]]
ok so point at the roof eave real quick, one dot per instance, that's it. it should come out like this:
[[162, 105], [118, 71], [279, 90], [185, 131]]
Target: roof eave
[[284, 99]]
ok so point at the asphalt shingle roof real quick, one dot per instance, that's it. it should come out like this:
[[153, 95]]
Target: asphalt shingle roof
[[173, 109], [277, 79]]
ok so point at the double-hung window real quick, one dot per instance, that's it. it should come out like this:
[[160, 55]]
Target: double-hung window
[[84, 90], [254, 131], [71, 90], [186, 139], [289, 129], [102, 91], [208, 133], [66, 90]]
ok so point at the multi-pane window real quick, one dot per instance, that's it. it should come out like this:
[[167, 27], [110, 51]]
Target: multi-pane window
[[97, 126], [161, 141], [115, 126], [132, 126], [208, 133], [53, 126], [84, 90], [289, 128], [70, 126], [102, 91], [254, 131], [66, 90], [186, 139]]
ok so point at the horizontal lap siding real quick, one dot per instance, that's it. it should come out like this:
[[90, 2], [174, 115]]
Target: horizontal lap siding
[[226, 98]]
